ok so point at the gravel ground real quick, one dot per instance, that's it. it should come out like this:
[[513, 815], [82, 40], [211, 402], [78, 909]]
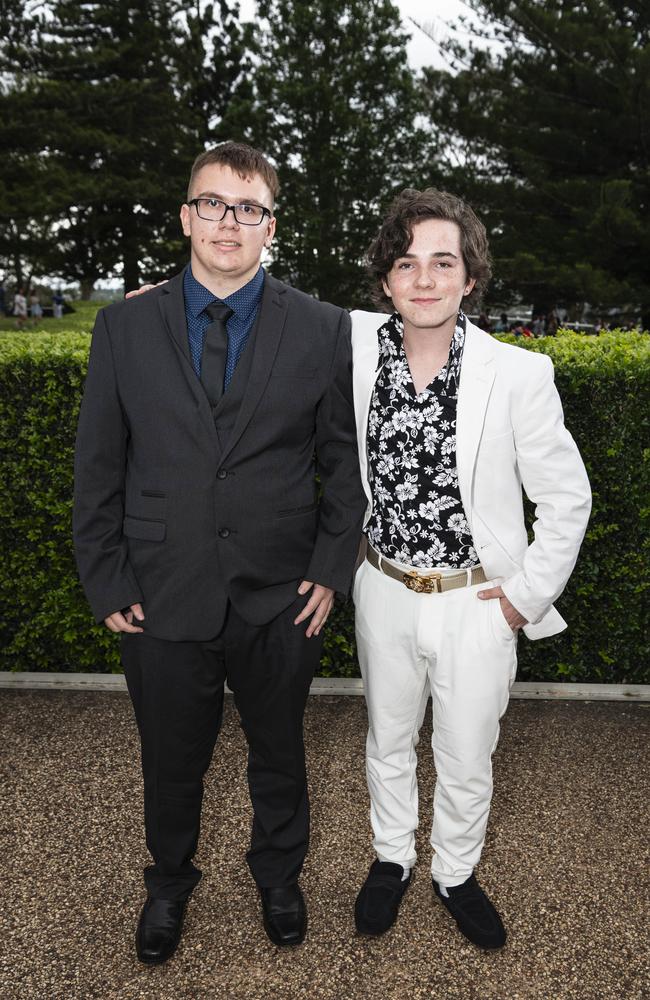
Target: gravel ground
[[565, 860]]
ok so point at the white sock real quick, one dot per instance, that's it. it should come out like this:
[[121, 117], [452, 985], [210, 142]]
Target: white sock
[[407, 872], [443, 890]]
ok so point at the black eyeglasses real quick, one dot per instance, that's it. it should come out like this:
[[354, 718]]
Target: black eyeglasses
[[214, 210]]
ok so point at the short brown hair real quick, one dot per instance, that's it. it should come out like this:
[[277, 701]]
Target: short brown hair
[[242, 159], [396, 234]]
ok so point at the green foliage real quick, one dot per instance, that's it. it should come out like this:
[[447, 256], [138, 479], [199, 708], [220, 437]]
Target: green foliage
[[45, 622], [551, 118], [332, 100], [604, 383], [103, 107], [46, 625]]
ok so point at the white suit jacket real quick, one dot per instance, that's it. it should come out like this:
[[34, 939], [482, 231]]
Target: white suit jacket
[[509, 433]]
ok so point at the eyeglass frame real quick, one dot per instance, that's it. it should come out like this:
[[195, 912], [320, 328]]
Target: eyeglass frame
[[230, 208]]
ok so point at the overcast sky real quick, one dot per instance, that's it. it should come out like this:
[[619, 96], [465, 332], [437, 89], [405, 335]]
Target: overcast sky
[[438, 15]]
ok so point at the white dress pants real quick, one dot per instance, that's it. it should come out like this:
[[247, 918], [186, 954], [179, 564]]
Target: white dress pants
[[462, 651]]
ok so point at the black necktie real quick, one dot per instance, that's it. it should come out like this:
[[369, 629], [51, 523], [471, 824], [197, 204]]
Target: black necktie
[[215, 351]]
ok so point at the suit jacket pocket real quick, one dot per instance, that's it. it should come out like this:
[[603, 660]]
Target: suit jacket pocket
[[295, 511], [138, 527]]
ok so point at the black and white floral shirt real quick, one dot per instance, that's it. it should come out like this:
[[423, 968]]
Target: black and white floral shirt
[[418, 516]]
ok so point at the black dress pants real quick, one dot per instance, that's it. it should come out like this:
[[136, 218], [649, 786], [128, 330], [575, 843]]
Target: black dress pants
[[177, 690]]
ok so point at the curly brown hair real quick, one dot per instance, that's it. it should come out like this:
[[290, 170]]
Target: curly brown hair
[[396, 233], [242, 159]]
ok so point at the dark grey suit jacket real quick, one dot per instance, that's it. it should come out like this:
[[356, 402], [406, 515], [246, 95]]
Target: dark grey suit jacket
[[169, 513]]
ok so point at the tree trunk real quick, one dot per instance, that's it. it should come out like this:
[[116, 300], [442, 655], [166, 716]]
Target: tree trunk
[[18, 270], [87, 285]]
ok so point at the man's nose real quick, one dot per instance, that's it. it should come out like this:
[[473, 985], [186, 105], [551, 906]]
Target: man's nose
[[229, 221], [425, 279]]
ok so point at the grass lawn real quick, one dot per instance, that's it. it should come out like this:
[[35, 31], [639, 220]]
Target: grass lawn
[[80, 321]]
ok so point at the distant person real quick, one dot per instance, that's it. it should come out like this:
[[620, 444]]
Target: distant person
[[20, 308], [35, 309], [3, 307], [57, 305], [537, 326], [503, 325], [551, 323], [484, 323]]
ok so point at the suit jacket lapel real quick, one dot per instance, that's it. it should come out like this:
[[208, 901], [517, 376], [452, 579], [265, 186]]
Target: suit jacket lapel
[[476, 380], [365, 347], [172, 308], [270, 324]]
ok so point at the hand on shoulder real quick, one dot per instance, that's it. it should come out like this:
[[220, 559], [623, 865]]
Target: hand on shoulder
[[145, 288]]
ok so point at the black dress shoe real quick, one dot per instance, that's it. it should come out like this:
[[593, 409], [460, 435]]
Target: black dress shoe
[[475, 915], [378, 902], [285, 914], [159, 930]]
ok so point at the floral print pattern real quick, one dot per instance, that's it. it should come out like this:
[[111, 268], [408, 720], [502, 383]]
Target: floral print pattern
[[418, 517]]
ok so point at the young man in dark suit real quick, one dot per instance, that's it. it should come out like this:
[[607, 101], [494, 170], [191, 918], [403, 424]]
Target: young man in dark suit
[[209, 405]]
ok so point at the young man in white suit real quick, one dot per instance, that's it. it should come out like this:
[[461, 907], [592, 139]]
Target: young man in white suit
[[451, 424]]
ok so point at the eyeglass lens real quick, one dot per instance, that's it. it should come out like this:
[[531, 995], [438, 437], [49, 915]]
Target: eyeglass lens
[[213, 210]]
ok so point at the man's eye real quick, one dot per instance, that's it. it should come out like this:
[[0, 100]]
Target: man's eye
[[247, 209], [404, 266], [214, 202]]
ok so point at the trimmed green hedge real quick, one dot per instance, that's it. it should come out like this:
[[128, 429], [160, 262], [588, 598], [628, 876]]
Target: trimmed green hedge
[[46, 625]]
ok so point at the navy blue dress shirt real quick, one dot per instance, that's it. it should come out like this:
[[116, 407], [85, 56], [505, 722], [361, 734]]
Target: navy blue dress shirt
[[244, 304]]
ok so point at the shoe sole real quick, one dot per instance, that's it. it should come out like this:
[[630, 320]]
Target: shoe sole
[[155, 961]]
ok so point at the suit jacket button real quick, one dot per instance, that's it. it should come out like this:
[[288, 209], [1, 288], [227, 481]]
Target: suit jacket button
[[224, 532], [221, 474]]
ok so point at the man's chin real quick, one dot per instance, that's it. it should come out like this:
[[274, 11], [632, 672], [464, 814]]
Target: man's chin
[[433, 320]]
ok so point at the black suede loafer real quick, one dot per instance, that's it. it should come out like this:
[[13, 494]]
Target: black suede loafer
[[159, 930], [378, 902], [285, 914], [475, 915]]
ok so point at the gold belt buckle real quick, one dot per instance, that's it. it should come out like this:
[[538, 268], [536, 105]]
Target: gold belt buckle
[[423, 584]]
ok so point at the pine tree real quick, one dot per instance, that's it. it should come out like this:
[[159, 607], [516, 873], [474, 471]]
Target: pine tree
[[125, 93], [332, 101], [554, 126], [28, 210]]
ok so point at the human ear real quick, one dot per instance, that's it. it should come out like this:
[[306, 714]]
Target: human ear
[[185, 220]]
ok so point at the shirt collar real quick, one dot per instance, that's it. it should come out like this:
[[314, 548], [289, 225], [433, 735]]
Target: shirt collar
[[391, 345], [391, 333], [242, 302]]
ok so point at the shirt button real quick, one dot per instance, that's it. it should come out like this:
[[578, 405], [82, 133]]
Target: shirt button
[[224, 532], [221, 474]]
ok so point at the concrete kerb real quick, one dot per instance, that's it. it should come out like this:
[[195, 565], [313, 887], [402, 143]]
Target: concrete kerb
[[36, 681]]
